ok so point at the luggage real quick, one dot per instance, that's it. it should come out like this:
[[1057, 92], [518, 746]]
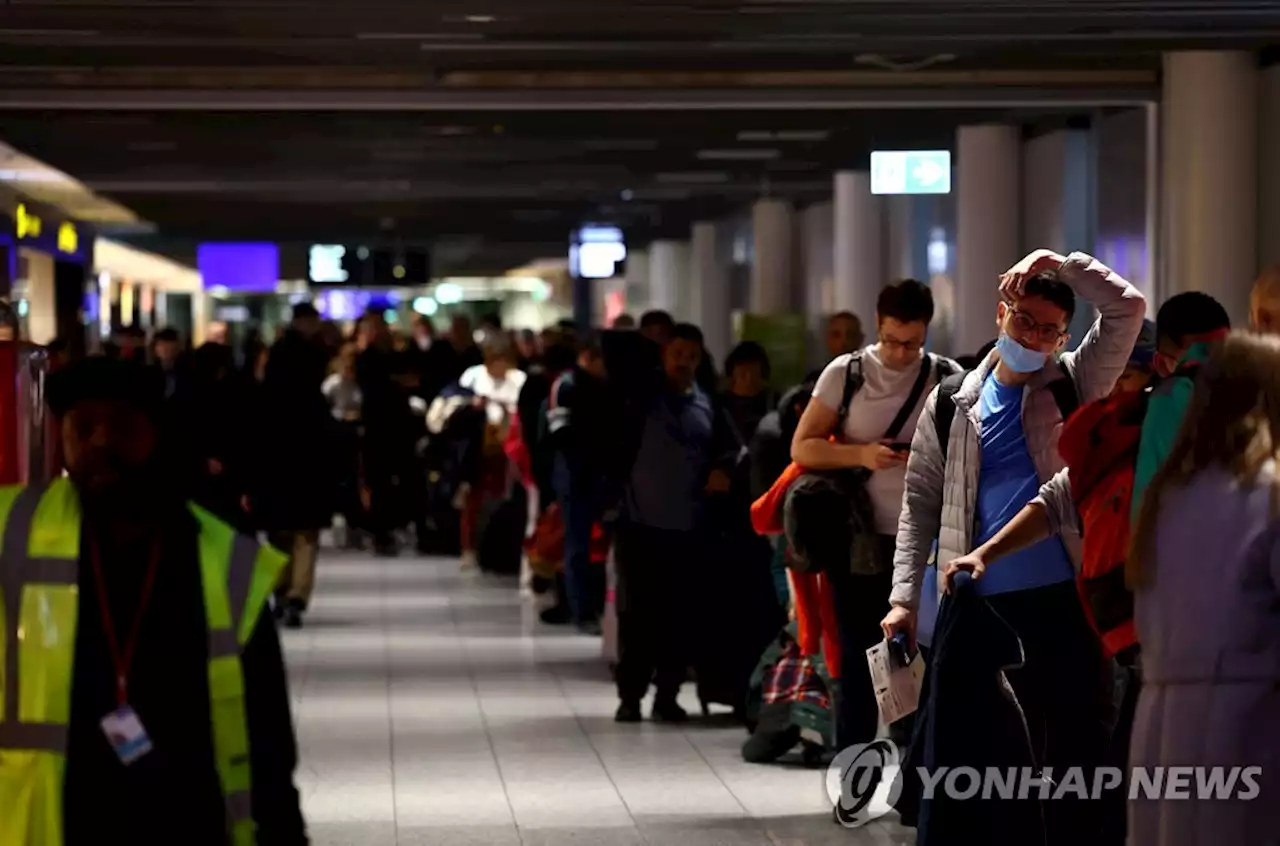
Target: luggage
[[500, 533], [790, 701]]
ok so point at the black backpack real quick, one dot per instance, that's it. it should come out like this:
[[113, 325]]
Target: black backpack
[[1063, 390], [828, 516]]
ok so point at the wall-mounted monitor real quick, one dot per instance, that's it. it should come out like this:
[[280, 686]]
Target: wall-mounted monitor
[[246, 268], [911, 172], [362, 266], [596, 252]]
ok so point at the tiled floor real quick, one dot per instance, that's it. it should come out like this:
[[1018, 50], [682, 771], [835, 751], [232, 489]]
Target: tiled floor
[[432, 708]]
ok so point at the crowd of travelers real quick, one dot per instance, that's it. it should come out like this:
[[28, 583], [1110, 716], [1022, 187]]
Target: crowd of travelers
[[1078, 536]]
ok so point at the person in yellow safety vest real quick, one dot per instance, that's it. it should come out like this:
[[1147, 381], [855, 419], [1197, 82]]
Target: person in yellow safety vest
[[142, 689]]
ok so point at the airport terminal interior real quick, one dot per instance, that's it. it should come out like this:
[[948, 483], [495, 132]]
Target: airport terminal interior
[[386, 254]]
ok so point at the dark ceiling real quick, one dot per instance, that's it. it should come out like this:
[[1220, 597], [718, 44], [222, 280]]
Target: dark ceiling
[[499, 125]]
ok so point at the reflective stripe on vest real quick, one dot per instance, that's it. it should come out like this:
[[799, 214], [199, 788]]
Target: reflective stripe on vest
[[38, 612]]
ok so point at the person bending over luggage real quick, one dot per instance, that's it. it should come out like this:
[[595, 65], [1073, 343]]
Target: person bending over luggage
[[1000, 446], [1185, 328], [890, 370], [657, 544]]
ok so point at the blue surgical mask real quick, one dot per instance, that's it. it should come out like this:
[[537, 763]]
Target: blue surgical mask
[[1018, 358]]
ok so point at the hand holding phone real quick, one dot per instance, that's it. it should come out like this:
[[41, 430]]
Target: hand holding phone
[[882, 457]]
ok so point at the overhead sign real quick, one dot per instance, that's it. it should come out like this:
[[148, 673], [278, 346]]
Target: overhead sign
[[911, 172], [68, 239], [27, 224], [248, 268], [34, 232], [596, 251], [325, 264]]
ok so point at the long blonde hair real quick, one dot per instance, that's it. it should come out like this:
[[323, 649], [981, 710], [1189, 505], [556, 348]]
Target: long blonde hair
[[1233, 422]]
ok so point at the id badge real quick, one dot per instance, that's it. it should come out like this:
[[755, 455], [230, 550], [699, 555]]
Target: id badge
[[126, 735]]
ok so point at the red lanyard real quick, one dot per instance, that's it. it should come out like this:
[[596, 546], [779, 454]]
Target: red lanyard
[[123, 660]]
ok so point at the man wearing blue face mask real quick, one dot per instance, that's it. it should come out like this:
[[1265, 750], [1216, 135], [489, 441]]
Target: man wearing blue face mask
[[982, 448]]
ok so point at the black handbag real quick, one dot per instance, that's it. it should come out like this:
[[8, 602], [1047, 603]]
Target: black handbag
[[828, 516]]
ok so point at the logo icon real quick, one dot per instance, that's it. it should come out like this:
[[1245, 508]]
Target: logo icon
[[862, 782]]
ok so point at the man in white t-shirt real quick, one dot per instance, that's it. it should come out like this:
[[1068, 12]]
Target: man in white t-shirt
[[890, 369]]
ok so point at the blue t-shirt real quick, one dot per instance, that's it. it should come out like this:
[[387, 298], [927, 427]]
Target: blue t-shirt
[[1006, 483]]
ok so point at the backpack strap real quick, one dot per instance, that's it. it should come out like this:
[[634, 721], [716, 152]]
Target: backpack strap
[[945, 411], [1064, 394], [913, 399], [853, 381]]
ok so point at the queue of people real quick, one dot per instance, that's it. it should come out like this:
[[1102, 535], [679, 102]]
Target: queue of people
[[1107, 505], [1025, 473]]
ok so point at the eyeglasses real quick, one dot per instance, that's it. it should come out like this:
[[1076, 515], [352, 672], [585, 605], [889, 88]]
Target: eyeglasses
[[905, 346], [1026, 325]]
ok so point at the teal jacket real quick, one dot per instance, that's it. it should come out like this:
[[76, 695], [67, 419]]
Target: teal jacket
[[1165, 410]]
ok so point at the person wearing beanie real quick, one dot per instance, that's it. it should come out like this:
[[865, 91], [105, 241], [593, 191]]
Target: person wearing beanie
[[1140, 369]]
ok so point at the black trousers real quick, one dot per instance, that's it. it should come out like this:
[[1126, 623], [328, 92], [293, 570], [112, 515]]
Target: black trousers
[[1065, 689], [861, 603], [1128, 676], [655, 569]]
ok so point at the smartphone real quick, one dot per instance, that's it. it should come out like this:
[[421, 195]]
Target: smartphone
[[900, 446]]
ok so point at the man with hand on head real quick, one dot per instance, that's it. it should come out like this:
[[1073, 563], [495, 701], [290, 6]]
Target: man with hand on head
[[968, 478]]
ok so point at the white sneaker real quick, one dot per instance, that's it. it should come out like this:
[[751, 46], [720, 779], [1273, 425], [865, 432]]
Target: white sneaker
[[469, 561]]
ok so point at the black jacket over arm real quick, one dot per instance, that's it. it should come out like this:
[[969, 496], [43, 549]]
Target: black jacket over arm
[[972, 719]]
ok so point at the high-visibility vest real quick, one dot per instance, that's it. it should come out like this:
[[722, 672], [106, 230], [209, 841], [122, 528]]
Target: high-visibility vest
[[39, 562]]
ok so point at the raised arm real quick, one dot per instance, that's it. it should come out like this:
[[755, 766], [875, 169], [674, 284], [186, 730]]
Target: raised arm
[[1098, 361]]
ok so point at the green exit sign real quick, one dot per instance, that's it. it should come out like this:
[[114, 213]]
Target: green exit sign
[[911, 172]]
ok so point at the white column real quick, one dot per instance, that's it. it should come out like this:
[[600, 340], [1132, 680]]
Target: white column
[[668, 275], [819, 275], [42, 313], [1269, 167], [773, 272], [988, 202], [637, 280], [859, 261], [709, 278], [1210, 153]]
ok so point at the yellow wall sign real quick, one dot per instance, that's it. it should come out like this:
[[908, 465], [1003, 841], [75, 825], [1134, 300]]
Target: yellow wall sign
[[28, 225], [68, 239]]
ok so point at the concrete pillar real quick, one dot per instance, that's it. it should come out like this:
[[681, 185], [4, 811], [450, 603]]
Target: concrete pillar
[[41, 296], [859, 247], [1269, 167], [668, 276], [1209, 198], [637, 281], [1059, 210], [709, 284], [773, 273], [819, 275], [988, 201]]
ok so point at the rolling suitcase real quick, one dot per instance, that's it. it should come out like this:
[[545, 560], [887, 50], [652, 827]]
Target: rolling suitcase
[[500, 533]]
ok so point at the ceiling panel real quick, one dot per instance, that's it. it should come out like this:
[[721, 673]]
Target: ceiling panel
[[304, 119]]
